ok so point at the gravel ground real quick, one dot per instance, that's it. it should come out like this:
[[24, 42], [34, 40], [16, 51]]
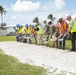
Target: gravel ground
[[57, 61]]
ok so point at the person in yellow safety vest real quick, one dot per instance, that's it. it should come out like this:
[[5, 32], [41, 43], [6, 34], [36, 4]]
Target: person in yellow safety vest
[[18, 31], [24, 34], [39, 34], [27, 32], [72, 28]]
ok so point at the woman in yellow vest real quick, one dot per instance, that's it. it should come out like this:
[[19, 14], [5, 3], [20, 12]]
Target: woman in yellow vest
[[72, 28]]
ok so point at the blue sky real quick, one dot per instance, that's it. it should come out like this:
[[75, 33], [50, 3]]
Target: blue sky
[[24, 11]]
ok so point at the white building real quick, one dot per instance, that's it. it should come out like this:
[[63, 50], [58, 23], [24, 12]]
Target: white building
[[3, 32]]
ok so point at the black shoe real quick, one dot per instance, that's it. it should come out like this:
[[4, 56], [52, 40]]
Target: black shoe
[[63, 48], [73, 50], [59, 47]]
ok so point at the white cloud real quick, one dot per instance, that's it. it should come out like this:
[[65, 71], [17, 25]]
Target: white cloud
[[74, 16], [59, 4], [14, 17], [25, 6], [42, 13]]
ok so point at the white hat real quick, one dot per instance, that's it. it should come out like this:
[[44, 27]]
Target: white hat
[[68, 15], [49, 20], [60, 17], [35, 23], [44, 20]]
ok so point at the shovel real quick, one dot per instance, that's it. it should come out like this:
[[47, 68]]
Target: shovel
[[64, 36]]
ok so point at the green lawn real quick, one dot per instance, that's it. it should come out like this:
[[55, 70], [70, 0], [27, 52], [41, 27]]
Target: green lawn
[[68, 44], [10, 66], [12, 38], [7, 38]]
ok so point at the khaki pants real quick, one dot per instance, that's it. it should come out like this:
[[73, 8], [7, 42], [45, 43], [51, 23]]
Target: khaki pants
[[39, 39]]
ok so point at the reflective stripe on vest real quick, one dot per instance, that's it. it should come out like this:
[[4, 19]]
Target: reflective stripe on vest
[[17, 30], [28, 30], [20, 30], [62, 27]]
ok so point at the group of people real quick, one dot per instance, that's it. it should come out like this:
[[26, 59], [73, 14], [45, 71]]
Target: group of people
[[56, 33]]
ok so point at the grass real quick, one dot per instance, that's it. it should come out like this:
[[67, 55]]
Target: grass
[[10, 66], [7, 38], [67, 46], [12, 38]]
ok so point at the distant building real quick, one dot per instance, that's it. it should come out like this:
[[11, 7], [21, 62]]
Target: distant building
[[3, 32]]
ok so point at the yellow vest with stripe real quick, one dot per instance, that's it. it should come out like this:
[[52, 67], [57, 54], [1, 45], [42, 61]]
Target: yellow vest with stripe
[[73, 27], [40, 30], [17, 30], [28, 30], [20, 30]]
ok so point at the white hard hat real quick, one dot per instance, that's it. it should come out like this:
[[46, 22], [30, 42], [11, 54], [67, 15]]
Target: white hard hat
[[49, 20], [35, 23], [68, 15], [59, 17], [44, 20]]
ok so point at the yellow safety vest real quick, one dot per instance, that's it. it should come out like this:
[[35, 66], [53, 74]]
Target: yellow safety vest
[[73, 27], [17, 30], [28, 30], [40, 30], [20, 30]]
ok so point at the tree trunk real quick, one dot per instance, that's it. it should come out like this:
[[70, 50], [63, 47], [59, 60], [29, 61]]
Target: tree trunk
[[1, 18]]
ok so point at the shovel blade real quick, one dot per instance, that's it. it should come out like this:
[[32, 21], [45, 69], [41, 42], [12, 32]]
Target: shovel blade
[[60, 39]]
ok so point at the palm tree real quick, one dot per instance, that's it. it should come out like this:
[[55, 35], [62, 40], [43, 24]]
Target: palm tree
[[50, 16], [2, 11], [36, 20], [2, 26]]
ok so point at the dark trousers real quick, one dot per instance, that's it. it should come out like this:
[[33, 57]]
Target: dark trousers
[[62, 43], [25, 39], [73, 40], [19, 37], [47, 38], [33, 35]]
